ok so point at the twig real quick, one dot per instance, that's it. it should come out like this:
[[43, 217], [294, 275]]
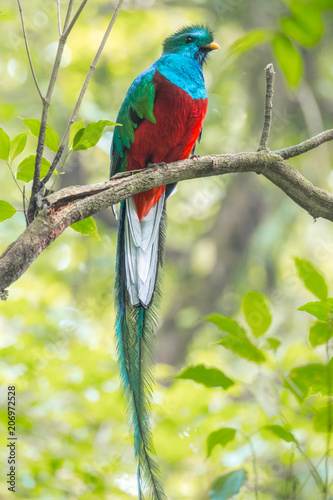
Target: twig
[[305, 146], [68, 15], [81, 95], [254, 464], [59, 18], [28, 51], [312, 469], [307, 478], [289, 476], [329, 410], [36, 183], [24, 210], [75, 18], [270, 75]]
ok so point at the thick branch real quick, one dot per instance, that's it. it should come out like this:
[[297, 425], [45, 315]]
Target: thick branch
[[78, 202]]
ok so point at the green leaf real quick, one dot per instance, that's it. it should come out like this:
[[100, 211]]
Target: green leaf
[[324, 4], [279, 431], [90, 135], [320, 332], [4, 145], [17, 145], [249, 41], [86, 226], [244, 348], [312, 279], [237, 340], [221, 436], [256, 310], [228, 485], [323, 418], [306, 25], [306, 380], [75, 127], [226, 324], [51, 136], [26, 168], [289, 59], [273, 343], [6, 210], [319, 309], [210, 377]]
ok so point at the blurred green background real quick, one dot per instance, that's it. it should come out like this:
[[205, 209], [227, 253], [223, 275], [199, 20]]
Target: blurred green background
[[225, 236]]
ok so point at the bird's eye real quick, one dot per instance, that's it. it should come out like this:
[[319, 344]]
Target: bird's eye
[[189, 39]]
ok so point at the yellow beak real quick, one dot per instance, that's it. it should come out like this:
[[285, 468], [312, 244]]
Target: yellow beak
[[211, 46]]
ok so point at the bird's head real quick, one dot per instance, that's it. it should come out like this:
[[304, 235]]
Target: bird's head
[[192, 41]]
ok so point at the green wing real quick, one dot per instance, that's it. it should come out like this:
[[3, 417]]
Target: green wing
[[137, 106]]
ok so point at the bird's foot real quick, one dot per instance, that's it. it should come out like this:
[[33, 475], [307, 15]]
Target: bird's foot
[[194, 157]]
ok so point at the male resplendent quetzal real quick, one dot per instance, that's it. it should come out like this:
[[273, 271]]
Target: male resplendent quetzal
[[161, 117]]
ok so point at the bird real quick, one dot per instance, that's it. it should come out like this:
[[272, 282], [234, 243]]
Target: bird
[[159, 121]]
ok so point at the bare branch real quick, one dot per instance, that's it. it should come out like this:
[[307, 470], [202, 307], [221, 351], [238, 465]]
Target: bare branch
[[75, 203], [270, 75], [75, 18], [59, 18], [305, 146], [82, 93], [28, 51], [68, 14], [36, 183]]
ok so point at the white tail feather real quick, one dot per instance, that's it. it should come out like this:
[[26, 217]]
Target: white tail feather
[[141, 251]]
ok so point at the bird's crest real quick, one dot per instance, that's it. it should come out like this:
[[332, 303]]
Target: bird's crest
[[200, 34]]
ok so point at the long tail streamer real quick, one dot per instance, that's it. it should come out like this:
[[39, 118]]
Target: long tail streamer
[[135, 327]]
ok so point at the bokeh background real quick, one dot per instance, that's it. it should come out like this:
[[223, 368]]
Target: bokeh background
[[226, 236]]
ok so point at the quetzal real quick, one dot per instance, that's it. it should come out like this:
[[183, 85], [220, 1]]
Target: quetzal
[[161, 119]]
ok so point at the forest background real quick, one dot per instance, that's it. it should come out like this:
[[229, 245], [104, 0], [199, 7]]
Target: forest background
[[227, 236]]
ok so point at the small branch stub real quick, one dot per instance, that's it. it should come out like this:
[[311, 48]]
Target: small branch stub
[[270, 75]]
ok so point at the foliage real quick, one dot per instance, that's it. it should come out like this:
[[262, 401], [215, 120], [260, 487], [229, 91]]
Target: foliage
[[303, 26], [310, 385]]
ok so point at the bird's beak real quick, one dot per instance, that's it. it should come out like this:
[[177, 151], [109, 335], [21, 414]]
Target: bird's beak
[[211, 46]]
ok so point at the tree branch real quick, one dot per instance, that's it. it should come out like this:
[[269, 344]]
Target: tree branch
[[81, 95], [36, 184], [305, 146], [28, 51], [270, 76], [68, 27], [68, 14], [59, 18], [75, 203]]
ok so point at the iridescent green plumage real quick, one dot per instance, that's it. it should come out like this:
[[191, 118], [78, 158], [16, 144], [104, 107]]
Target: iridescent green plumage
[[138, 105]]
